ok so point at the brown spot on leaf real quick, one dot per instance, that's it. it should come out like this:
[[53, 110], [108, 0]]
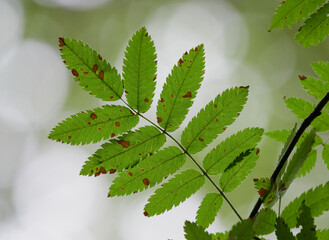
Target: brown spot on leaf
[[159, 119], [64, 61], [117, 124], [244, 87], [196, 49], [216, 119], [75, 73], [262, 192], [146, 181], [122, 188], [101, 171], [108, 195], [111, 97], [93, 116], [132, 113], [134, 192], [124, 143], [146, 214], [101, 75], [180, 61], [99, 129], [85, 72], [89, 123], [214, 149], [201, 139], [130, 173], [111, 171], [300, 12], [99, 57], [188, 95], [61, 42], [155, 77], [126, 91], [255, 179], [146, 100], [161, 100], [92, 171], [142, 170], [215, 105], [121, 110], [95, 68], [224, 129], [171, 95], [140, 155], [112, 135], [302, 77], [86, 86], [257, 152], [69, 137]]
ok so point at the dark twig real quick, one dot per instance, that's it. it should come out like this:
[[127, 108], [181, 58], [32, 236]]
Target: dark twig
[[307, 121]]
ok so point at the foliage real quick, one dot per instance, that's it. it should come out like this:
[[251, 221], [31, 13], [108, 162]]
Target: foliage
[[316, 27], [140, 161]]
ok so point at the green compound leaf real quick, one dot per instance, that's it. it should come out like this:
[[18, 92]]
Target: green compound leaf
[[325, 154], [308, 164], [292, 11], [303, 108], [125, 152], [195, 232], [315, 87], [322, 70], [217, 160], [241, 231], [219, 236], [177, 190], [306, 220], [282, 231], [180, 89], [233, 176], [322, 234], [316, 199], [298, 160], [91, 72], [208, 209], [94, 125], [315, 29], [139, 71], [213, 119], [264, 222], [148, 172]]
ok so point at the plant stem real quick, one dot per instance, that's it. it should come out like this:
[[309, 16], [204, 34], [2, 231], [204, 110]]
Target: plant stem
[[307, 121], [191, 157]]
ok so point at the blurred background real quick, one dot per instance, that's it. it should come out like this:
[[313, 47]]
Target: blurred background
[[42, 195]]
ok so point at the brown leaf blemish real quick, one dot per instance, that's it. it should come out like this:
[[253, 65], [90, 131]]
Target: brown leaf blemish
[[100, 57], [215, 105], [244, 87], [124, 143], [117, 124], [111, 171], [302, 77], [130, 173], [155, 77], [161, 100], [112, 135], [257, 152], [61, 42], [255, 179], [101, 75], [201, 139], [145, 214], [171, 95], [75, 73], [188, 95], [159, 119], [180, 62], [146, 100], [69, 137], [146, 181], [89, 123], [95, 68], [93, 116], [262, 192]]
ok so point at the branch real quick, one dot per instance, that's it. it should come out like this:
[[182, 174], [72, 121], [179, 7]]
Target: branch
[[307, 121]]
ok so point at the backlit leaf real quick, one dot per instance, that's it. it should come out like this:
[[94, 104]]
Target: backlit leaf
[[233, 176], [264, 222], [322, 70], [213, 119], [177, 190], [325, 154], [208, 209], [217, 160], [241, 231], [303, 108], [148, 172], [316, 199], [315, 29], [180, 89], [139, 71], [195, 232], [124, 152], [322, 234], [306, 220], [315, 87], [292, 11], [282, 231], [90, 70], [94, 125]]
